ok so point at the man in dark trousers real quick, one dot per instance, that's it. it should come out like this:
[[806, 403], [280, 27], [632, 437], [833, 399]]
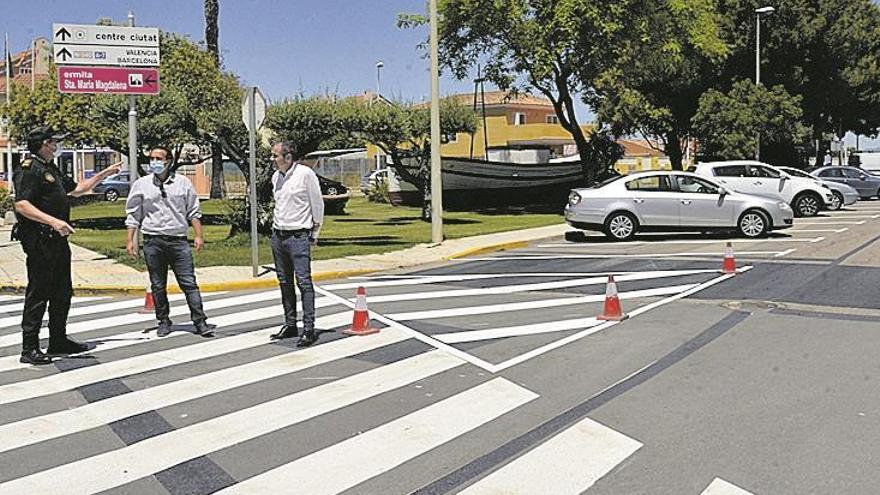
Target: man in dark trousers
[[163, 204], [42, 207], [299, 211]]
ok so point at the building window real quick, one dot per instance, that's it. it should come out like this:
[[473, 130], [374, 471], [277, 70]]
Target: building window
[[102, 161], [552, 119], [519, 119]]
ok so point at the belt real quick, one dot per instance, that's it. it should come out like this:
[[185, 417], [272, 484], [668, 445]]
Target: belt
[[288, 233], [165, 237]]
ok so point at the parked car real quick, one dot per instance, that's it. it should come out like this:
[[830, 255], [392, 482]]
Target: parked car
[[672, 201], [844, 195], [335, 195], [867, 184], [806, 196], [371, 180], [114, 186]]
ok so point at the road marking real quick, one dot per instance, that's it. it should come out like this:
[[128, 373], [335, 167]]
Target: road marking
[[784, 253], [817, 231], [721, 487], [11, 298], [17, 303], [818, 239], [346, 464], [41, 428], [513, 289], [641, 310], [546, 303], [69, 380], [861, 222], [90, 310], [567, 464], [434, 279], [520, 330], [608, 256], [844, 217], [664, 242], [121, 466]]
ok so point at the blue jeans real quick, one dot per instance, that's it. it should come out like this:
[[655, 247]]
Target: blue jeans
[[293, 260], [161, 252]]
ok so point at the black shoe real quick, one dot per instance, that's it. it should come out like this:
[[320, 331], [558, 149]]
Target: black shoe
[[34, 356], [286, 332], [309, 337], [164, 328], [66, 346], [203, 329]]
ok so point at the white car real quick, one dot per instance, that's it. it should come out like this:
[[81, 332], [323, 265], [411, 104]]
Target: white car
[[672, 201], [807, 196], [844, 195]]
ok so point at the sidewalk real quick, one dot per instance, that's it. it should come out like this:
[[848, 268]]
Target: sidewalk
[[94, 272]]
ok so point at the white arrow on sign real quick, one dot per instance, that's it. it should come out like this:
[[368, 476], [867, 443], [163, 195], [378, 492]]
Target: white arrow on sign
[[119, 56], [85, 34], [259, 109]]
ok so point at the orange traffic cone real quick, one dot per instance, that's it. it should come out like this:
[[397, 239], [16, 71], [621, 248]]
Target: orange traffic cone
[[613, 311], [149, 305], [360, 323], [729, 265]]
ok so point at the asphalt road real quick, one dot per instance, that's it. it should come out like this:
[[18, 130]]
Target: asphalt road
[[490, 375]]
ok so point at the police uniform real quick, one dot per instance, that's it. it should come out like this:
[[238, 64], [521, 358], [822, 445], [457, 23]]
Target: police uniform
[[48, 254]]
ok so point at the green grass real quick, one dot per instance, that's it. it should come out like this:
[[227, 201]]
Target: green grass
[[366, 228]]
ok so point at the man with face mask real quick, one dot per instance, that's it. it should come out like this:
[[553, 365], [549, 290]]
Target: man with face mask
[[42, 207], [163, 204]]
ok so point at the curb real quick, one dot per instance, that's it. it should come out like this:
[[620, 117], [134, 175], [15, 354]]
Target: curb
[[504, 246]]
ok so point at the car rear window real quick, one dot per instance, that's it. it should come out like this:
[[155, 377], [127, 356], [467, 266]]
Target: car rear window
[[651, 183], [730, 171]]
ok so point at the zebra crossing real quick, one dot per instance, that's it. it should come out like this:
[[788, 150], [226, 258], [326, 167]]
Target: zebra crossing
[[238, 414]]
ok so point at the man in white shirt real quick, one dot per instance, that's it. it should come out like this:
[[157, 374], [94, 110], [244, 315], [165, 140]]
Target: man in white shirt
[[299, 212], [162, 205]]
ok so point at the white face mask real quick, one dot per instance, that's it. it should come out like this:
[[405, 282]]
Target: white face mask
[[157, 166], [59, 149]]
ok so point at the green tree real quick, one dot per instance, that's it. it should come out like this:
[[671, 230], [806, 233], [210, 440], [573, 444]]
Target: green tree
[[728, 124], [559, 48], [402, 132]]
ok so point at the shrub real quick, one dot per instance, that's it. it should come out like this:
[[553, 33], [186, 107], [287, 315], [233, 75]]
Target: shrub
[[378, 192], [5, 202]]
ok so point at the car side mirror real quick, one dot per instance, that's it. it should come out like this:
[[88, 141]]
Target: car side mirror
[[863, 177], [722, 191], [783, 177]]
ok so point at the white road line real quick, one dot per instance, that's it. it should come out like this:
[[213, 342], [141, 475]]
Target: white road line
[[346, 464], [567, 464], [665, 242], [721, 487], [114, 321], [11, 298], [17, 304], [826, 223], [784, 253], [513, 289], [609, 256], [69, 380], [435, 279], [93, 309], [118, 467], [573, 338], [843, 217], [525, 305], [41, 428], [818, 239], [520, 330], [818, 231]]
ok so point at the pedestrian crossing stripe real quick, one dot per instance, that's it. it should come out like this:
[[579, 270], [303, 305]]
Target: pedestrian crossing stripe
[[721, 487]]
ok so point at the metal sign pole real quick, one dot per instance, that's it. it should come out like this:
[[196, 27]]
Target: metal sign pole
[[132, 128], [436, 175], [252, 143]]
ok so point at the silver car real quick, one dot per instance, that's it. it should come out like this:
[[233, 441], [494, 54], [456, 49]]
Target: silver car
[[672, 201], [867, 184], [844, 195]]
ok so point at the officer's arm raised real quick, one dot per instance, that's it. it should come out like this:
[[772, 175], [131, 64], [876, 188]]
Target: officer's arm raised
[[89, 184]]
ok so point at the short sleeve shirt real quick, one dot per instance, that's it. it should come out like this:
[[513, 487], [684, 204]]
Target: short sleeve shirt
[[45, 187]]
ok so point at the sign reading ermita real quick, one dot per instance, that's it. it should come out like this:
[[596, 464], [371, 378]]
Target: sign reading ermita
[[106, 59]]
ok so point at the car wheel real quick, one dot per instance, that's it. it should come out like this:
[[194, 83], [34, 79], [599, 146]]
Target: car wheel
[[753, 223], [836, 201], [621, 226], [111, 195], [807, 205], [332, 191]]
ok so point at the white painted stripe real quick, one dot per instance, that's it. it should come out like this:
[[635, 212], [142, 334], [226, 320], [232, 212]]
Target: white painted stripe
[[121, 466], [16, 303], [667, 242], [433, 279], [346, 464], [69, 380], [11, 298], [567, 464], [513, 289], [539, 304], [785, 253], [114, 321], [41, 428], [93, 309], [644, 309], [826, 223], [109, 342], [721, 487], [714, 254], [533, 329], [843, 217], [818, 239], [817, 231]]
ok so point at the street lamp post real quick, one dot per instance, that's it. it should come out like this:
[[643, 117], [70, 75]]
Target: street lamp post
[[379, 66], [758, 12]]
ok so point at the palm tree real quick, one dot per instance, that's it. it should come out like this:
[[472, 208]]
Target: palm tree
[[212, 35]]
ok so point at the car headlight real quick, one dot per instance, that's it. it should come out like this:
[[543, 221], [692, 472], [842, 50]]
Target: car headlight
[[574, 198], [783, 205], [825, 186]]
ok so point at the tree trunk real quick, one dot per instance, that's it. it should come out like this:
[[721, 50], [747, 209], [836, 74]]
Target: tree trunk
[[673, 150], [212, 28], [218, 184]]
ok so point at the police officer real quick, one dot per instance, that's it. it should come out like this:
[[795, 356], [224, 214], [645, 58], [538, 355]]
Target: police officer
[[42, 207]]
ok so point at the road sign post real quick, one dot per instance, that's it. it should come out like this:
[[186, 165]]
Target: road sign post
[[253, 113]]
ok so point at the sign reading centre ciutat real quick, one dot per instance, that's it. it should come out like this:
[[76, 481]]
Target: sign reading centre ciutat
[[106, 59]]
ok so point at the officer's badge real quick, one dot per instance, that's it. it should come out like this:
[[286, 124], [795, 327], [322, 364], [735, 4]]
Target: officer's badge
[[26, 164], [49, 177]]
